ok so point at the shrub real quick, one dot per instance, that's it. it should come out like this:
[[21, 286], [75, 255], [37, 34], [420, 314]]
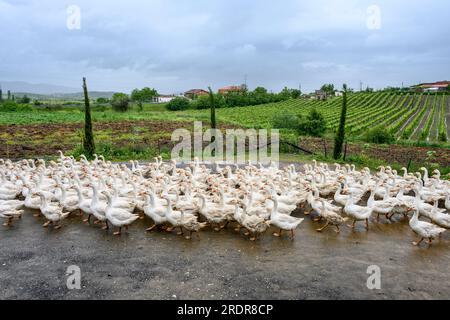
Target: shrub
[[285, 121], [313, 125], [178, 103], [120, 102], [379, 135], [102, 100], [12, 106]]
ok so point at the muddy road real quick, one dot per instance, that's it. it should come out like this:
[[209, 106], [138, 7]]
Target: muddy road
[[224, 265]]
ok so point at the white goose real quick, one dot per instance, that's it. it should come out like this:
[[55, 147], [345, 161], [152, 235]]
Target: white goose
[[283, 221], [424, 229], [118, 217], [357, 213], [53, 212]]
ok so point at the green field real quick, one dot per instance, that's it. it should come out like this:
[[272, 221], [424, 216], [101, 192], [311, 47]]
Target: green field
[[411, 117]]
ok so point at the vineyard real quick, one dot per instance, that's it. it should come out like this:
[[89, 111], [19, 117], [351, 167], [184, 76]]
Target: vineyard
[[409, 116]]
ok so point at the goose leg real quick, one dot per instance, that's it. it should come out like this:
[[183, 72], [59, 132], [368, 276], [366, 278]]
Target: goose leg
[[105, 227], [8, 222], [238, 228], [252, 237], [338, 230], [378, 217], [278, 234], [189, 236], [292, 235], [324, 227], [217, 227], [56, 226], [45, 225], [225, 225], [352, 225], [367, 224], [418, 243], [117, 233], [151, 228], [88, 219], [430, 242], [181, 231]]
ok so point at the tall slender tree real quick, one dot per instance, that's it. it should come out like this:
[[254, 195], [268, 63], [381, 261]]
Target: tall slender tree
[[213, 116], [9, 95], [340, 136], [88, 142], [1, 94], [213, 109]]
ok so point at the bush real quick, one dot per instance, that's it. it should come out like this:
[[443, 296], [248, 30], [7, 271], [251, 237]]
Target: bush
[[102, 100], [285, 121], [313, 125], [379, 135], [12, 106], [178, 103], [120, 102], [204, 102]]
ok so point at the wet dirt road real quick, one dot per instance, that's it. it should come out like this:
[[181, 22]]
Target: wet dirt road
[[33, 263]]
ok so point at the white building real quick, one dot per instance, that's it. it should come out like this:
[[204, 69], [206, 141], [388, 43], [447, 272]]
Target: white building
[[164, 98]]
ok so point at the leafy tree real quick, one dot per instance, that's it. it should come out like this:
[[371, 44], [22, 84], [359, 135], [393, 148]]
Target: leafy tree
[[179, 103], [340, 136], [144, 95], [260, 90], [120, 102], [295, 93], [102, 100], [328, 88], [1, 95], [314, 124], [88, 141], [285, 93]]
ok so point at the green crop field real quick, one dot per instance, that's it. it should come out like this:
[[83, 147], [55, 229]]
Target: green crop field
[[410, 117]]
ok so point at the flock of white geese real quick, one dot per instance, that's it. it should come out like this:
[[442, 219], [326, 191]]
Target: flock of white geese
[[251, 198]]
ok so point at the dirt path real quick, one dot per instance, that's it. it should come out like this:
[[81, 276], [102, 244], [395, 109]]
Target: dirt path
[[219, 265]]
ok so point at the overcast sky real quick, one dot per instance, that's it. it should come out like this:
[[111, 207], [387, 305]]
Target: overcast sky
[[176, 45]]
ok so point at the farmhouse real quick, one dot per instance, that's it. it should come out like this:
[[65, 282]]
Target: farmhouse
[[321, 95], [439, 86], [194, 93], [164, 98], [229, 89]]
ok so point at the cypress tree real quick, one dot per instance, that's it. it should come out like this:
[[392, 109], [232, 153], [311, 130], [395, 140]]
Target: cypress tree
[[9, 95], [213, 116], [213, 109], [340, 136], [1, 95], [88, 142]]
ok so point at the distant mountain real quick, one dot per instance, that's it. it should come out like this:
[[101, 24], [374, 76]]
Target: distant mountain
[[42, 91], [64, 96], [37, 88]]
